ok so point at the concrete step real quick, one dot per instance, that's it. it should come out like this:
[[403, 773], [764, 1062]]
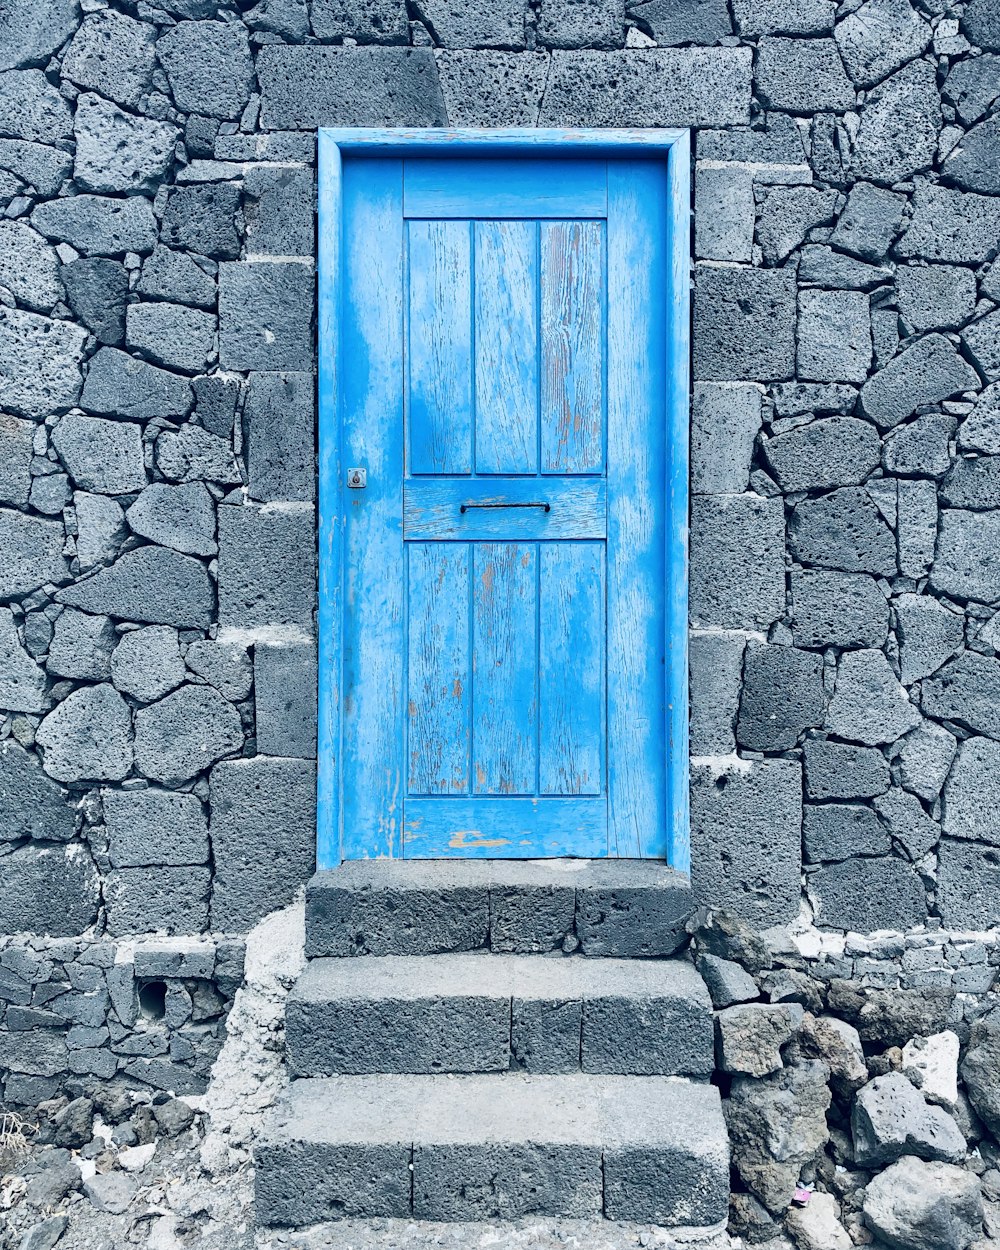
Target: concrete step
[[651, 1149], [622, 908], [482, 1012]]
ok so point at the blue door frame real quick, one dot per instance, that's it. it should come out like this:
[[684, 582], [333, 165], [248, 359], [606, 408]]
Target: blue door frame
[[673, 147]]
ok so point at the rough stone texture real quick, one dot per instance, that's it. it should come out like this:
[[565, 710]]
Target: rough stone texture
[[966, 690], [172, 335], [835, 451], [890, 1118], [951, 225], [899, 126], [865, 894], [52, 890], [209, 67], [181, 517], [802, 76], [267, 565], [30, 106], [869, 705], [81, 646], [31, 553], [22, 682], [838, 831], [118, 152], [112, 54], [30, 31], [925, 756], [737, 561], [203, 219], [278, 428], [782, 696], [970, 794], [96, 291], [929, 371], [28, 266], [226, 666], [724, 213], [966, 561], [968, 893], [869, 222], [285, 699], [843, 530], [787, 215], [39, 363], [925, 1205], [928, 634], [101, 456], [920, 446], [837, 609], [147, 663], [836, 770], [150, 827], [171, 275], [185, 733], [265, 314], [164, 899], [744, 324], [879, 37], [834, 336], [150, 584], [933, 297], [98, 225], [492, 88], [716, 667], [33, 806], [88, 737]]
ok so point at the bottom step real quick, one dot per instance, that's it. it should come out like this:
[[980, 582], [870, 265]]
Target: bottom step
[[649, 1149]]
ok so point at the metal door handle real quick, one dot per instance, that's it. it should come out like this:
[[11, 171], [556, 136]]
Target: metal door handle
[[544, 506]]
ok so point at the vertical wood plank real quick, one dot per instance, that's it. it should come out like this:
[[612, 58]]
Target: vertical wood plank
[[571, 668], [439, 411], [572, 348], [506, 346], [637, 783], [372, 436], [505, 654], [438, 668]]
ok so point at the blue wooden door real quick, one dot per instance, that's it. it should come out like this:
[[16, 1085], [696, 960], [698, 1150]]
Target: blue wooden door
[[502, 385]]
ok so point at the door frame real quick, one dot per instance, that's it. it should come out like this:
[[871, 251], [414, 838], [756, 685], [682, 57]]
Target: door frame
[[673, 146]]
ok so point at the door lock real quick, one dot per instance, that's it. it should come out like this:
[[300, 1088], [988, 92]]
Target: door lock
[[357, 479]]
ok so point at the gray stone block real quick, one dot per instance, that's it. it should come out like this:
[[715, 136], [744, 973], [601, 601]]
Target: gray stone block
[[279, 436], [771, 17], [492, 88], [728, 982], [924, 758], [43, 168], [267, 567], [285, 699], [972, 86], [776, 142], [96, 291], [225, 665], [174, 335], [30, 31], [100, 526], [306, 87], [972, 163], [982, 343], [585, 24], [822, 266], [533, 915], [215, 403], [48, 890], [265, 315], [725, 420], [968, 893], [31, 553], [744, 324], [981, 24], [180, 517], [785, 217], [150, 584], [782, 696], [545, 1035], [81, 646], [632, 909], [112, 54], [967, 690], [746, 828], [193, 454], [381, 21], [40, 362], [916, 526], [476, 24], [203, 219], [150, 900], [802, 76], [900, 121], [869, 705], [870, 221], [715, 665], [263, 828], [834, 336], [171, 275], [932, 297], [209, 67], [16, 439], [891, 1118], [102, 456], [31, 108], [861, 895], [88, 737], [842, 530], [929, 634], [147, 664], [682, 21], [98, 225], [971, 806], [751, 1036], [836, 831], [920, 446], [22, 681], [29, 268], [151, 827], [31, 804], [117, 151], [649, 87], [50, 493], [951, 225], [184, 733], [907, 822], [724, 213], [967, 563], [833, 451], [835, 770], [837, 609], [279, 207], [738, 561], [879, 37], [120, 385]]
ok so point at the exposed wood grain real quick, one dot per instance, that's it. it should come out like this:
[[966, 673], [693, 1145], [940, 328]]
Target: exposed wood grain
[[494, 187], [432, 508]]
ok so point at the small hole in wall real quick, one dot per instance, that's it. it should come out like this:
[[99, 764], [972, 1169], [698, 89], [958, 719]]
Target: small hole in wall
[[153, 1000]]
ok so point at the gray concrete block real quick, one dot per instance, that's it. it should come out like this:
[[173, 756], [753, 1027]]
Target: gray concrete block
[[267, 567], [96, 291], [117, 151], [151, 827], [29, 267], [279, 436], [193, 454], [924, 758], [173, 335], [836, 770], [632, 908], [88, 737], [113, 54], [285, 699], [102, 456], [180, 517], [148, 900], [31, 804], [492, 88], [929, 634], [879, 37], [184, 733], [31, 108], [305, 87], [81, 646], [968, 893], [50, 890], [120, 385], [725, 420], [744, 324], [865, 894], [147, 664], [170, 275], [40, 361], [966, 562], [837, 831], [202, 219], [771, 17], [834, 336], [682, 21], [869, 222], [951, 225], [837, 609], [265, 315], [279, 205], [31, 553], [724, 213], [263, 828], [649, 87], [737, 561], [98, 225], [582, 24], [966, 690], [869, 705], [802, 76], [900, 121], [782, 696], [381, 21], [715, 666], [787, 215], [209, 67], [149, 584], [746, 828], [843, 530], [833, 451]]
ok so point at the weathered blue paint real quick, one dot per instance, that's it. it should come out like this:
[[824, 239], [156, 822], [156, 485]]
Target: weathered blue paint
[[457, 597]]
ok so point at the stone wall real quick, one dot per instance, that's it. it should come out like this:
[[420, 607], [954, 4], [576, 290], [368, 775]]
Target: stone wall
[[157, 450]]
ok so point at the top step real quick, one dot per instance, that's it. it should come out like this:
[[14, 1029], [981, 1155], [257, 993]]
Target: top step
[[626, 908]]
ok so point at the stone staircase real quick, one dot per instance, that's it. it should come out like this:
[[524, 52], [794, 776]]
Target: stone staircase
[[489, 1040]]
